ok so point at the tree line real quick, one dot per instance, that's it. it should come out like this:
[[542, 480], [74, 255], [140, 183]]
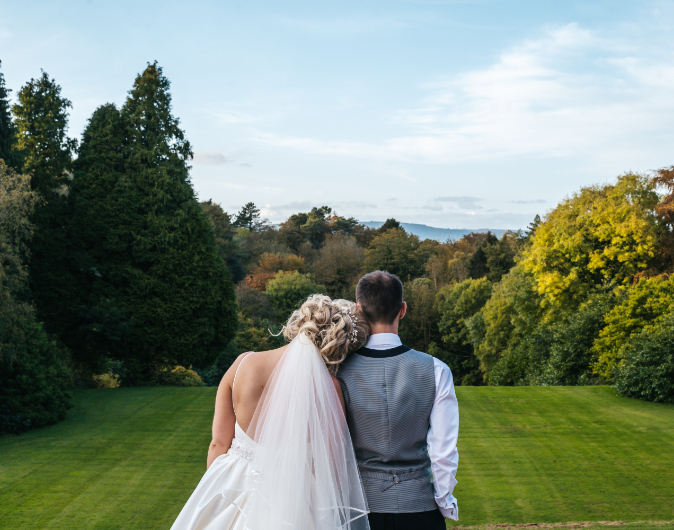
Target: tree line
[[114, 273]]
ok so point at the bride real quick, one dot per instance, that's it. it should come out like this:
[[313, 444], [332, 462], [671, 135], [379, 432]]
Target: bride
[[281, 455]]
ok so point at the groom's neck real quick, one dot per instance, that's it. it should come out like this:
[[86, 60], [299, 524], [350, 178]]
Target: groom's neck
[[376, 328]]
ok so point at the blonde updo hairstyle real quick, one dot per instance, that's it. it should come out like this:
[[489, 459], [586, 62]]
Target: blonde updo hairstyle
[[336, 327]]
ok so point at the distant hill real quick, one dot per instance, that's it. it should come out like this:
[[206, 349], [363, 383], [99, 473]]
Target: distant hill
[[439, 234]]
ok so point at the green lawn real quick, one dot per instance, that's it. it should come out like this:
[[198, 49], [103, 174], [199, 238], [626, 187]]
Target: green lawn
[[129, 458]]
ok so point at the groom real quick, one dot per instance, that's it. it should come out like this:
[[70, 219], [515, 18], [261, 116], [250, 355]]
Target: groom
[[403, 417]]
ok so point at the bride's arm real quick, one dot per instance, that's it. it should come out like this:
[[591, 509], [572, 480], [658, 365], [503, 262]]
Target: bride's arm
[[224, 419], [340, 395]]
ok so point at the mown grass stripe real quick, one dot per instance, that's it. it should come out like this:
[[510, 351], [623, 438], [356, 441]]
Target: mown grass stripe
[[129, 458]]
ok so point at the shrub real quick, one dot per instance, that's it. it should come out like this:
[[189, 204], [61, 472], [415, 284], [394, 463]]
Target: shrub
[[34, 385], [108, 380], [179, 376], [647, 367]]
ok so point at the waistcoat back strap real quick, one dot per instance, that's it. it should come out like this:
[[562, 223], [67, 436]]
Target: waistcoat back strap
[[391, 480]]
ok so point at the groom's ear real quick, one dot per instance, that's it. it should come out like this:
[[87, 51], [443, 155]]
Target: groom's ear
[[403, 311], [359, 306]]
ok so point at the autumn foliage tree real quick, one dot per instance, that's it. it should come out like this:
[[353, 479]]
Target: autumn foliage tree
[[338, 264], [270, 263], [603, 234]]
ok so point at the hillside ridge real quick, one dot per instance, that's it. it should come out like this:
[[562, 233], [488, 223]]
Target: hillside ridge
[[439, 234]]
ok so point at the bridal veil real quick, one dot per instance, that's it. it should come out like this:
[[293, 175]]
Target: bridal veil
[[304, 473]]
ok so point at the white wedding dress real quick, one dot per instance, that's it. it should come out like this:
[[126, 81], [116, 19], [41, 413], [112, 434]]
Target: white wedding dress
[[219, 499], [294, 468]]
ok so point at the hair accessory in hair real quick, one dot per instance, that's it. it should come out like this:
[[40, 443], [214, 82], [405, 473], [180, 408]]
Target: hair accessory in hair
[[345, 311]]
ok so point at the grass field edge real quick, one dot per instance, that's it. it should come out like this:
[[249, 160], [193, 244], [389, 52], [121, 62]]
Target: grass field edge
[[626, 525]]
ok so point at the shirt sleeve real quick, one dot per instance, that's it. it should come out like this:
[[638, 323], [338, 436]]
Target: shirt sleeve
[[442, 438]]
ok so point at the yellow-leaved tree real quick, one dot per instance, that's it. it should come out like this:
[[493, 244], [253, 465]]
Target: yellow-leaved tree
[[602, 235]]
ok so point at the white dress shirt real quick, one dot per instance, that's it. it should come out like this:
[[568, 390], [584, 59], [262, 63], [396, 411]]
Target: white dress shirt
[[444, 429]]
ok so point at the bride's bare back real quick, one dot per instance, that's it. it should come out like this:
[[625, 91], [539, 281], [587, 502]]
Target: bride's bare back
[[252, 371]]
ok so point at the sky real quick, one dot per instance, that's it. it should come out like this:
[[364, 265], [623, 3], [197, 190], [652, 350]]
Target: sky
[[450, 113]]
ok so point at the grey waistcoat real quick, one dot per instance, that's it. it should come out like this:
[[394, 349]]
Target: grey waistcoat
[[389, 395]]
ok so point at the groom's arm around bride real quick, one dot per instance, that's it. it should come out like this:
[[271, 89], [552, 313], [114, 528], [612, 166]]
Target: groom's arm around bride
[[403, 417]]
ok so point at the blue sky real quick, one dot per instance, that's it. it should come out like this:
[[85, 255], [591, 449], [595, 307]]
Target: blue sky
[[456, 114]]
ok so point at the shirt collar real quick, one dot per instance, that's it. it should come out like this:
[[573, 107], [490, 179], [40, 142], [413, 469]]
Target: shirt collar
[[383, 341]]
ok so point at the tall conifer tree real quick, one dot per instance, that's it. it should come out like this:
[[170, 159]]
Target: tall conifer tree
[[101, 328], [8, 150], [159, 288], [42, 121]]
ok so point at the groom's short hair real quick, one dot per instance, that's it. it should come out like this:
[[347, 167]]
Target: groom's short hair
[[380, 295]]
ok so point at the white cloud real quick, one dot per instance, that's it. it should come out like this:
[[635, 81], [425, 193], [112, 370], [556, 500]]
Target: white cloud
[[570, 92], [463, 202], [218, 158], [211, 158]]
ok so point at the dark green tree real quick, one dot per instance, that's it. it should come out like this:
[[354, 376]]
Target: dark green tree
[[478, 262], [389, 224], [291, 233], [314, 227], [160, 294], [249, 217], [34, 383], [458, 303], [419, 328], [317, 225], [525, 238], [224, 232], [42, 121], [647, 371], [179, 293], [501, 256], [397, 252], [101, 327], [8, 150]]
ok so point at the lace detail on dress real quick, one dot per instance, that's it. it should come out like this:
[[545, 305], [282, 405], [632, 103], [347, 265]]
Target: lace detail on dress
[[241, 449]]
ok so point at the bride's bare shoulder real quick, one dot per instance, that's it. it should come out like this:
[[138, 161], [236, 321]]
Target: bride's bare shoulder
[[255, 363], [263, 358]]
